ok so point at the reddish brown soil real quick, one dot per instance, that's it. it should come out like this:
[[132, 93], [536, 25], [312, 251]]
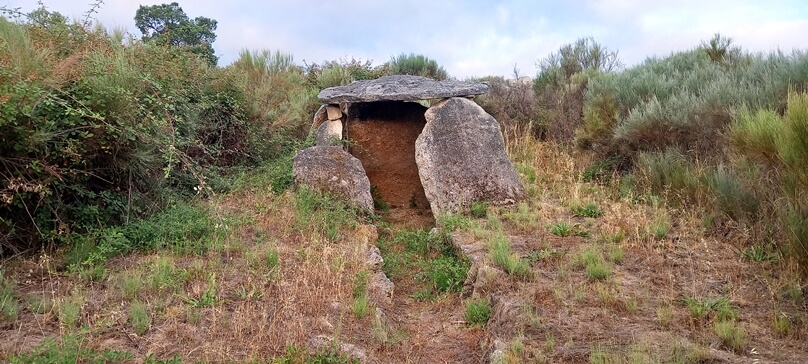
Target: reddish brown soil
[[382, 135]]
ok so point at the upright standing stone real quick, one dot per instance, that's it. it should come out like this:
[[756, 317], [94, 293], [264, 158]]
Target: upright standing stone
[[461, 158]]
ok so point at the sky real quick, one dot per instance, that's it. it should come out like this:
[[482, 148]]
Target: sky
[[471, 37]]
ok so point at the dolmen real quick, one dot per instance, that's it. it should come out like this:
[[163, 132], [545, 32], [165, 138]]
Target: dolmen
[[375, 139]]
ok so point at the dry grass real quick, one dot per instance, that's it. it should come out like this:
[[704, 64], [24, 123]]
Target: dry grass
[[271, 284]]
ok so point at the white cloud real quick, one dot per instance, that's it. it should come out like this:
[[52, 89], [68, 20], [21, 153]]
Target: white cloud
[[472, 38]]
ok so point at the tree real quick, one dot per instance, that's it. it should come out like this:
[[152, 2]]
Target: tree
[[167, 24]]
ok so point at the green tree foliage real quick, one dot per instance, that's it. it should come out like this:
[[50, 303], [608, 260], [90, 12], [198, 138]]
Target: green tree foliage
[[417, 65], [167, 24]]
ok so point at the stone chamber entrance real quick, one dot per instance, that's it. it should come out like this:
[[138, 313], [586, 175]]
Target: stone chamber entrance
[[382, 136]]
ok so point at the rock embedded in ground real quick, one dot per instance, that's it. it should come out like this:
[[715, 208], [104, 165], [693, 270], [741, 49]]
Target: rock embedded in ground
[[400, 88], [333, 170], [381, 288], [374, 259], [461, 158], [329, 133]]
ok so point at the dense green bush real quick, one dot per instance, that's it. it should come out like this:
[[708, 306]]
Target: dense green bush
[[418, 65], [97, 131]]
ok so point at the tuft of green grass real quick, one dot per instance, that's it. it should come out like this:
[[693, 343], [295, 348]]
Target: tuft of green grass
[[594, 265], [69, 310], [781, 324], [590, 209], [479, 209], [165, 276], [660, 227], [9, 307], [478, 312], [69, 349], [361, 302], [732, 335], [139, 317], [271, 258], [500, 252], [454, 222], [616, 254], [130, 285]]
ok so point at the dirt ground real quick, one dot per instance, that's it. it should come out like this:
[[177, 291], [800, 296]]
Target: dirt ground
[[641, 312]]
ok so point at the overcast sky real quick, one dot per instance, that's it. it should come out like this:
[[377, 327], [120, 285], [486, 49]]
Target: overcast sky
[[470, 38]]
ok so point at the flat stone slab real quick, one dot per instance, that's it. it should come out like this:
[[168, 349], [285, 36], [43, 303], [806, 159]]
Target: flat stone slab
[[400, 88]]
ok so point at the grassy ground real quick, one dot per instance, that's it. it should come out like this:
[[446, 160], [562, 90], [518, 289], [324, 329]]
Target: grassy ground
[[577, 272]]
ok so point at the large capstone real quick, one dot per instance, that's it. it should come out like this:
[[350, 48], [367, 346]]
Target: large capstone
[[400, 88], [461, 158], [333, 170]]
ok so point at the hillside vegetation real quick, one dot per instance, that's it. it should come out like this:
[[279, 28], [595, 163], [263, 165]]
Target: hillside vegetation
[[148, 211]]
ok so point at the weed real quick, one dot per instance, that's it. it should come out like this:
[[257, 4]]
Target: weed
[[69, 310], [271, 258], [130, 285], [251, 294], [40, 303], [479, 209], [732, 335], [549, 343], [477, 312], [605, 294], [616, 254], [139, 317], [94, 273], [9, 307], [762, 253], [664, 315], [781, 324], [453, 222], [544, 254], [500, 252], [564, 228], [523, 217], [590, 209], [699, 309], [615, 238], [445, 273], [208, 297], [660, 227], [378, 202], [165, 276]]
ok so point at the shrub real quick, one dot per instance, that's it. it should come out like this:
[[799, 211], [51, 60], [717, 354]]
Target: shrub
[[417, 65]]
